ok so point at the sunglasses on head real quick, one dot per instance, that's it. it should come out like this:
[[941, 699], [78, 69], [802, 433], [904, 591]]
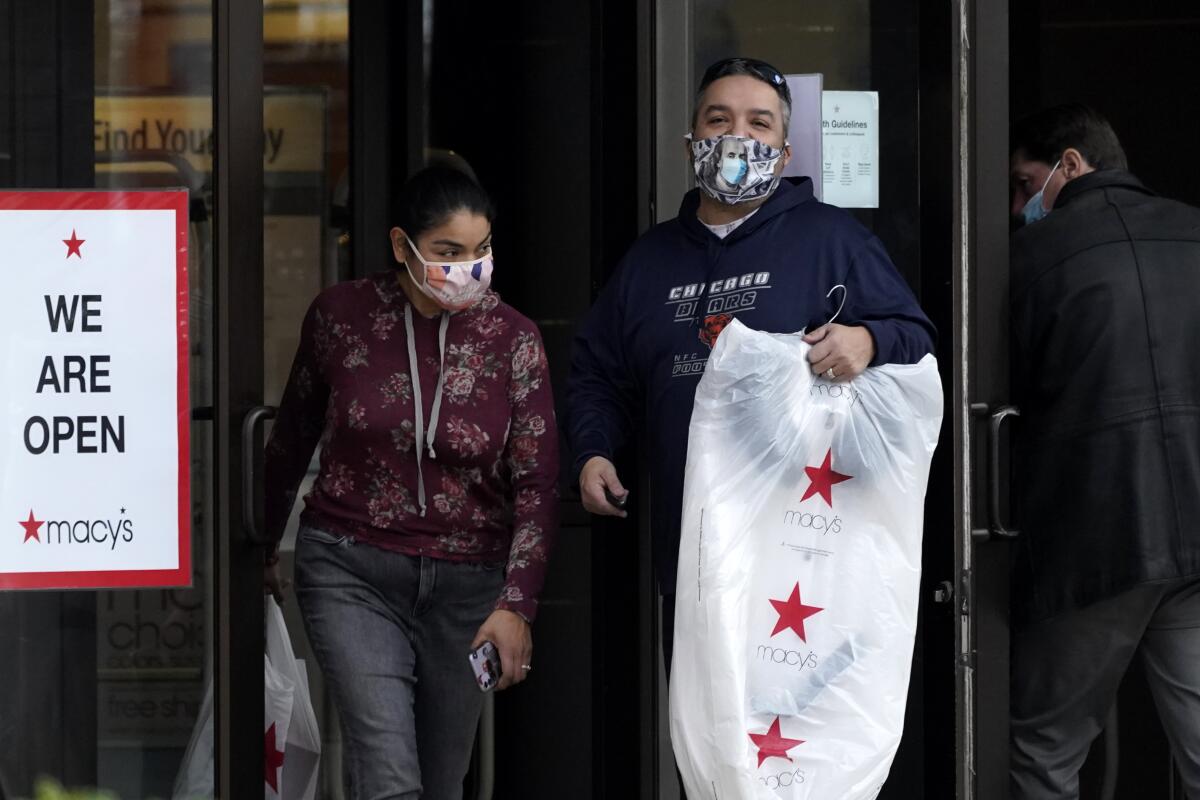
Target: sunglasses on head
[[760, 69]]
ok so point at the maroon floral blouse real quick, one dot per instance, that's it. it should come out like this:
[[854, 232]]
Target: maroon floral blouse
[[491, 490]]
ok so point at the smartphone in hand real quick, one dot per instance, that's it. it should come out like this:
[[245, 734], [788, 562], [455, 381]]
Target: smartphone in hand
[[485, 663], [619, 502]]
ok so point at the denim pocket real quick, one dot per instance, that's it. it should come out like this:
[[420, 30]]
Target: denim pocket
[[318, 536]]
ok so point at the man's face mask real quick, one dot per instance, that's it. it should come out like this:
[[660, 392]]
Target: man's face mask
[[1034, 210], [735, 169]]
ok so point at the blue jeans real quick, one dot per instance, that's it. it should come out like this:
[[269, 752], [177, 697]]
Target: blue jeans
[[391, 634]]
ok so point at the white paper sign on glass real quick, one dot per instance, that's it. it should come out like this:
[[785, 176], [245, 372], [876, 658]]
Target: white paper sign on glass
[[850, 125], [94, 410], [804, 129]]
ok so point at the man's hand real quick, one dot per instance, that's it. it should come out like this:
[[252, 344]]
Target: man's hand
[[512, 637], [272, 581], [599, 474], [844, 349]]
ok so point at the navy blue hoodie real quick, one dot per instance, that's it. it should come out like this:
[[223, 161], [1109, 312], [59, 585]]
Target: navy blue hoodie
[[643, 347]]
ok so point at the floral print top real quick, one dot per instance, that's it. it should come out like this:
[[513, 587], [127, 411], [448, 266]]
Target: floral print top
[[492, 487]]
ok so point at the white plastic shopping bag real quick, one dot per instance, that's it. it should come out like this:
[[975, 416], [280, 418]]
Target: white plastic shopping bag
[[279, 694], [298, 754], [195, 779], [799, 566], [291, 740]]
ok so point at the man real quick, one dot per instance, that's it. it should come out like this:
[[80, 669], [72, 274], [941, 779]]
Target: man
[[1106, 316], [745, 244]]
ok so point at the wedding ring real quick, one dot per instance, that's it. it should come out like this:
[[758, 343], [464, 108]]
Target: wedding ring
[[829, 373], [526, 667]]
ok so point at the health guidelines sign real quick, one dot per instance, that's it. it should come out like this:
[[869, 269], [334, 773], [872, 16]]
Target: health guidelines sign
[[94, 409]]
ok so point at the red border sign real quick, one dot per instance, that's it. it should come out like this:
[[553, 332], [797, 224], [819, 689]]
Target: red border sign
[[163, 200]]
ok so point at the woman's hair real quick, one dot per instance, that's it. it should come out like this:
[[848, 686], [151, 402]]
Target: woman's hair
[[435, 193]]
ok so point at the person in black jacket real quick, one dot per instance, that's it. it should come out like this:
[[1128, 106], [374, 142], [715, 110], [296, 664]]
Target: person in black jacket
[[1105, 316]]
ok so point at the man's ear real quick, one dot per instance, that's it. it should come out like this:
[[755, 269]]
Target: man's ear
[[399, 245], [787, 153], [1074, 164]]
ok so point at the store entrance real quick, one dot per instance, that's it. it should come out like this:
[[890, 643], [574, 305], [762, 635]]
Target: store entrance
[[128, 690], [1060, 53], [292, 124]]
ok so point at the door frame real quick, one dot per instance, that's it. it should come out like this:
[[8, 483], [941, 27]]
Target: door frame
[[664, 177], [981, 385], [238, 387]]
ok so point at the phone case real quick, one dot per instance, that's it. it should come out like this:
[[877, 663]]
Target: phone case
[[619, 502], [485, 662]]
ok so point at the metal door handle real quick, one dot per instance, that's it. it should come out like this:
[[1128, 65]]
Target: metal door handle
[[249, 428], [995, 528]]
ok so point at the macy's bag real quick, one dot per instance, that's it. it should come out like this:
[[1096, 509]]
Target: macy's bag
[[291, 740], [799, 565], [291, 766], [279, 698], [195, 779]]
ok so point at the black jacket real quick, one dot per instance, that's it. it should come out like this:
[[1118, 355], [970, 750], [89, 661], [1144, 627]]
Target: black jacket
[[1106, 328]]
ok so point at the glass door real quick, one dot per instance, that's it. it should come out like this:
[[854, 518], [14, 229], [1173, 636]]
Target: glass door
[[982, 540], [895, 55], [148, 692]]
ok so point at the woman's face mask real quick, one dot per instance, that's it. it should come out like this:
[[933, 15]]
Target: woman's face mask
[[735, 169], [455, 285]]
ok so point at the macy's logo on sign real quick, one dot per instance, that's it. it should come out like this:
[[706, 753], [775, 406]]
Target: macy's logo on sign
[[80, 531]]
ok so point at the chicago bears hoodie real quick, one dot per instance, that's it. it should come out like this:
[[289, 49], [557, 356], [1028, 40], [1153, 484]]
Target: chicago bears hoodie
[[642, 349]]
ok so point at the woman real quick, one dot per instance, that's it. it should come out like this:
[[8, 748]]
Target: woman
[[428, 528]]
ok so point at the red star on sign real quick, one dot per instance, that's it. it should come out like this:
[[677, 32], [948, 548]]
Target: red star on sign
[[272, 759], [73, 244], [792, 613], [823, 478], [31, 527], [773, 744]]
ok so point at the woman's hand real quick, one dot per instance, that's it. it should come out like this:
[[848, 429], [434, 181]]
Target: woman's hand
[[513, 638], [272, 581]]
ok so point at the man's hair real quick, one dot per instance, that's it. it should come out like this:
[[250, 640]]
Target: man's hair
[[1046, 135], [753, 68]]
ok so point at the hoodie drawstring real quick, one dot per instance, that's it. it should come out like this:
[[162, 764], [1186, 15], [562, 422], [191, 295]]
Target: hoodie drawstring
[[424, 441], [436, 411], [715, 251]]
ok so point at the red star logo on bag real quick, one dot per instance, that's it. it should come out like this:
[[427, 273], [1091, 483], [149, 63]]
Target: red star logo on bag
[[773, 744], [823, 478], [792, 613], [272, 759]]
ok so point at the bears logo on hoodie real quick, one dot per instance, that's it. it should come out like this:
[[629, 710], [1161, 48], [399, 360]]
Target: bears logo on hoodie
[[713, 325]]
